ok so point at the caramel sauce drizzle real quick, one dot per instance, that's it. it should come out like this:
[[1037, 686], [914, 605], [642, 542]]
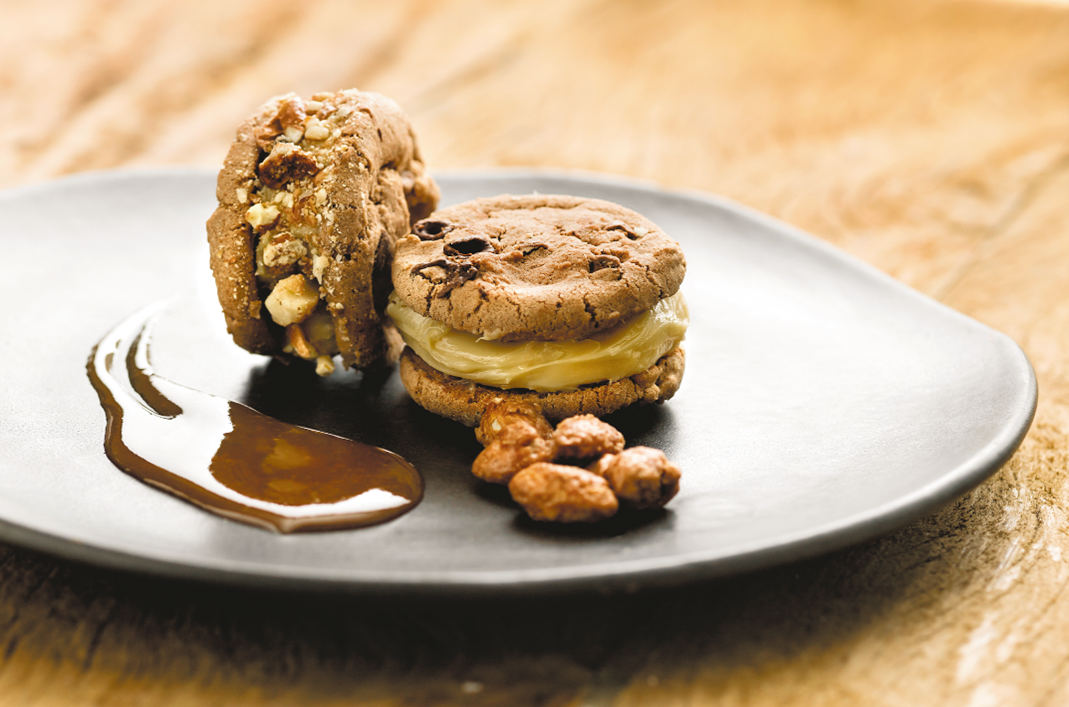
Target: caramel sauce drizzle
[[231, 460]]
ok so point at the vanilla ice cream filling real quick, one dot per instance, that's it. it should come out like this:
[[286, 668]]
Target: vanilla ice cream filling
[[545, 366]]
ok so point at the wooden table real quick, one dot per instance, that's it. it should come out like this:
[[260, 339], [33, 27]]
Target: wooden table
[[930, 138]]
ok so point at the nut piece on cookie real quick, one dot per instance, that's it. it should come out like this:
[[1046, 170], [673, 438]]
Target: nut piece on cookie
[[582, 437], [292, 300], [316, 192], [641, 477], [564, 494]]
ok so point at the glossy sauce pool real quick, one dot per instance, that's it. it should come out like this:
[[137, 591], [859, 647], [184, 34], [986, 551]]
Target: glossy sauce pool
[[231, 460]]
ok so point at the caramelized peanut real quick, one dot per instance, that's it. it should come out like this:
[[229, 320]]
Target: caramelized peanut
[[585, 437], [516, 446], [501, 413], [641, 477], [565, 494]]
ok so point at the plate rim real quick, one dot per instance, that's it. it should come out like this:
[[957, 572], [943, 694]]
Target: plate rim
[[625, 575]]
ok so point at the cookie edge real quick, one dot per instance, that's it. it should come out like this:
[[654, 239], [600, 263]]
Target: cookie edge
[[464, 401]]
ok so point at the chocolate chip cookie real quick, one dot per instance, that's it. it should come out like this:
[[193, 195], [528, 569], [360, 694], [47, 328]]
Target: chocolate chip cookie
[[571, 304]]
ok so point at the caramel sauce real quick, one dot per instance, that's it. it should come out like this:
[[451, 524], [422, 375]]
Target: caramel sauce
[[231, 460]]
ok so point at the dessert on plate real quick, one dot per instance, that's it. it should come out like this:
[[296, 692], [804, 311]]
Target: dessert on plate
[[568, 303], [519, 311]]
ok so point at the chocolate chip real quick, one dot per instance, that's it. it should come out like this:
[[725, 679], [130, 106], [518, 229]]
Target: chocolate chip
[[456, 273], [431, 230], [601, 262], [467, 246], [621, 226]]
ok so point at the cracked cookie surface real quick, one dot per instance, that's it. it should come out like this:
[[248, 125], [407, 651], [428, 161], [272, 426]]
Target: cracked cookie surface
[[314, 194], [536, 267]]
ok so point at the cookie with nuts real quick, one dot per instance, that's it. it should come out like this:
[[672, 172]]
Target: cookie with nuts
[[313, 195], [571, 304]]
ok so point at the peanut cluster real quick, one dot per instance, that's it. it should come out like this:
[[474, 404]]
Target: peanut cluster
[[576, 473]]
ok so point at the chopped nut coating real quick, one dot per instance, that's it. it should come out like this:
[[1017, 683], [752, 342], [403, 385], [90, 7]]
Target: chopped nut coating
[[518, 445], [586, 437], [283, 251], [261, 217], [641, 477], [316, 130], [566, 494]]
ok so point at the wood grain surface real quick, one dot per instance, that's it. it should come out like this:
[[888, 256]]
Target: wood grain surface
[[930, 138]]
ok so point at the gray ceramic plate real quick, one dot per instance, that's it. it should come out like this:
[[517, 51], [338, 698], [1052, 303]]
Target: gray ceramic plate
[[823, 404]]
